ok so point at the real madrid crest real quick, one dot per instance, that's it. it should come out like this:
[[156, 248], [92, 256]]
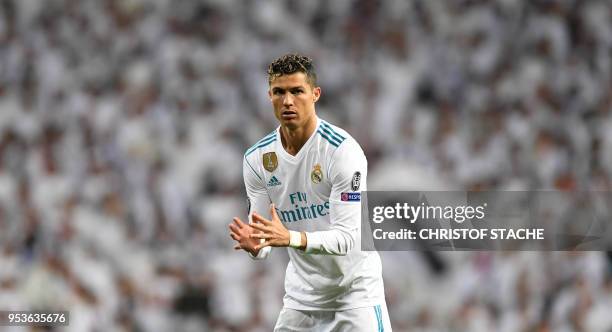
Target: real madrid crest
[[270, 162], [316, 175]]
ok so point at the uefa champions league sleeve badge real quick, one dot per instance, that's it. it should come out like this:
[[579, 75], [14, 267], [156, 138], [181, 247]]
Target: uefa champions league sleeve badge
[[356, 181]]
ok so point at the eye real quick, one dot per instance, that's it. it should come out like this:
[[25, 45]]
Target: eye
[[297, 91]]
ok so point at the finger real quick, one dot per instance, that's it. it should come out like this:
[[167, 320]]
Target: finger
[[260, 219], [273, 213], [233, 228], [235, 236], [238, 222], [237, 247], [256, 217], [259, 236], [260, 227], [235, 231]]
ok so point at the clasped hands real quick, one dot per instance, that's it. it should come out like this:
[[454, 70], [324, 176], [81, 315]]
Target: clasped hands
[[249, 235]]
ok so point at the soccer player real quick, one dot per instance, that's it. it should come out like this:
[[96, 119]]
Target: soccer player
[[309, 174]]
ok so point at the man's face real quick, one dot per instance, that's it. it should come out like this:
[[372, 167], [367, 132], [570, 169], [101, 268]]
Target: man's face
[[293, 99]]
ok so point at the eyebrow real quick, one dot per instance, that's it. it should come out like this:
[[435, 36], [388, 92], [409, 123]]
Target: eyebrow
[[290, 88]]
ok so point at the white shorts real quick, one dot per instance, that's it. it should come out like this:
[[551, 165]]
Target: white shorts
[[368, 319]]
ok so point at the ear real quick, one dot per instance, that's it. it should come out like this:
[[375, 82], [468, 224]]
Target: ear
[[316, 92], [270, 94]]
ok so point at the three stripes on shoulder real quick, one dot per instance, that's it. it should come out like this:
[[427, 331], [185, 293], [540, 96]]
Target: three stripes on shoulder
[[325, 130]]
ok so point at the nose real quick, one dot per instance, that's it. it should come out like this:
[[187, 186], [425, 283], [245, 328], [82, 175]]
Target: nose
[[288, 99]]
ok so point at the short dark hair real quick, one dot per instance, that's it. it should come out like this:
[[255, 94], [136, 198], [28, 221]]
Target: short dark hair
[[290, 64]]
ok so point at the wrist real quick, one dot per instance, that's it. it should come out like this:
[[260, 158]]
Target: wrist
[[295, 239]]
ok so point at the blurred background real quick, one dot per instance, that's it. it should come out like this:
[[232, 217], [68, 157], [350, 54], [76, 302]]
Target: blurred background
[[123, 124]]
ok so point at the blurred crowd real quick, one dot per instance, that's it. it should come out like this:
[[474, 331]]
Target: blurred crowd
[[123, 124]]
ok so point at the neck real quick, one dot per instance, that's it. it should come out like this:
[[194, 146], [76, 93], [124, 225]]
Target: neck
[[293, 139]]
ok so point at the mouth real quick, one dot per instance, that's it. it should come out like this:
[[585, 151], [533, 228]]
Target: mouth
[[288, 115]]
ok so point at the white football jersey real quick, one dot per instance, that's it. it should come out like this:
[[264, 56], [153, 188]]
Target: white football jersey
[[317, 191]]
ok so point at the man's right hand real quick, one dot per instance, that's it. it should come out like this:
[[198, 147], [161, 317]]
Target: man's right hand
[[241, 233]]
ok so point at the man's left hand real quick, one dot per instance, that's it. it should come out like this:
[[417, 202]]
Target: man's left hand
[[272, 231]]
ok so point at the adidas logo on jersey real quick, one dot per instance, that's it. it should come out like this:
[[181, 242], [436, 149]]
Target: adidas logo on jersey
[[274, 182]]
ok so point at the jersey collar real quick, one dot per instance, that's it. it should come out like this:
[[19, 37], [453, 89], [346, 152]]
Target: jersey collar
[[285, 155]]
